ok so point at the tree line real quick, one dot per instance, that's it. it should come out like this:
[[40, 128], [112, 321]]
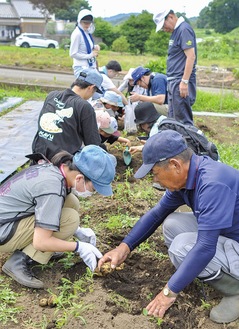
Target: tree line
[[137, 34]]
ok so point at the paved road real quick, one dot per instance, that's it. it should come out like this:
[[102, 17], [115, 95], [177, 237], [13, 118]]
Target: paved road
[[62, 79], [35, 77], [56, 79]]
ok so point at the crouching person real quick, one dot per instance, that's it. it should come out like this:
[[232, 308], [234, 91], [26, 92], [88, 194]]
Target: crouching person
[[39, 215], [203, 243]]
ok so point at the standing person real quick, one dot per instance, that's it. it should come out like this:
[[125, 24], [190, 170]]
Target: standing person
[[181, 64], [82, 48], [201, 244], [39, 215], [156, 86], [67, 120], [108, 72]]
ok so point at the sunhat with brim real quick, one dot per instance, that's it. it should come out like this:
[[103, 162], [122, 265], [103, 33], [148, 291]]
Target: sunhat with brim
[[85, 15], [98, 166], [162, 146], [113, 127], [120, 103], [110, 97], [159, 18], [87, 19], [145, 112]]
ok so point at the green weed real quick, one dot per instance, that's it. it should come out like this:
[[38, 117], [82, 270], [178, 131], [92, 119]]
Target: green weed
[[8, 300], [68, 300], [121, 302], [120, 221], [205, 305]]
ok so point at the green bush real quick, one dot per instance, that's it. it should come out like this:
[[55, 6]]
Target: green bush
[[236, 73], [157, 66], [65, 43]]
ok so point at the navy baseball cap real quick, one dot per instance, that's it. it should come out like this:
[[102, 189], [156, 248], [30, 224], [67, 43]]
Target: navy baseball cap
[[91, 76], [138, 73], [161, 146], [98, 166]]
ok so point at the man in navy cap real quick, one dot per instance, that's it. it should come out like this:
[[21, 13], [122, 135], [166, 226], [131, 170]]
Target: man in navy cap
[[201, 244], [67, 120], [155, 85], [181, 64]]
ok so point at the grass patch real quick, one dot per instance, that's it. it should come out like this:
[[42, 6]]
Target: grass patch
[[216, 102], [229, 154], [68, 300], [8, 299]]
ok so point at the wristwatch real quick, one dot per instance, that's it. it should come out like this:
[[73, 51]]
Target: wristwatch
[[168, 293], [185, 81]]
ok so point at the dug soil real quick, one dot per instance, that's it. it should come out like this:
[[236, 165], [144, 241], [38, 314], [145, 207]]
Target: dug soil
[[118, 299]]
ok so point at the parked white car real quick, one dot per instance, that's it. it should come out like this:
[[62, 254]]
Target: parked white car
[[27, 40]]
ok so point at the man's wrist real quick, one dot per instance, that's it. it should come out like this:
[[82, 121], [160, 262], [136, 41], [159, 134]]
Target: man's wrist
[[185, 81], [169, 293]]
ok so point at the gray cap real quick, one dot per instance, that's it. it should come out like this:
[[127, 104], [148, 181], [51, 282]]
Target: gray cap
[[93, 77]]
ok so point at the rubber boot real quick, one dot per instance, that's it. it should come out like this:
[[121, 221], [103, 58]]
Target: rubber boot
[[228, 309], [17, 267]]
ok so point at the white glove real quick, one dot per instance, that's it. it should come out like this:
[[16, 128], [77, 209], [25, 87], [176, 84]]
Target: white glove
[[86, 235], [89, 254]]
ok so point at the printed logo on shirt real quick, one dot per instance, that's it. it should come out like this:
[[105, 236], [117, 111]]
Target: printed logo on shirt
[[189, 43], [49, 121]]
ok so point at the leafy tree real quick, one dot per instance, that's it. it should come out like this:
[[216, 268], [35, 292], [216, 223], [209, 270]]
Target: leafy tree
[[221, 15], [72, 11], [204, 18], [224, 15], [105, 31], [157, 43], [50, 6], [137, 30], [120, 45]]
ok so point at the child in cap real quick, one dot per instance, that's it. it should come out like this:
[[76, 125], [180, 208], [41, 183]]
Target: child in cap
[[113, 104], [108, 126]]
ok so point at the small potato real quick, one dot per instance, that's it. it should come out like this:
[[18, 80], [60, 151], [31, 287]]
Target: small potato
[[43, 302], [52, 301], [106, 269]]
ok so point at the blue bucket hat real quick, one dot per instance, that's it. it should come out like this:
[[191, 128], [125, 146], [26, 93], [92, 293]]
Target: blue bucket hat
[[98, 166], [161, 146], [138, 73], [110, 97], [93, 77]]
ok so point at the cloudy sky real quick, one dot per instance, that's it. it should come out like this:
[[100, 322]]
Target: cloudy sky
[[106, 8]]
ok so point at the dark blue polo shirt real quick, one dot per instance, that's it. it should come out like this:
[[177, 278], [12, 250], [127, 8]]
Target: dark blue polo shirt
[[212, 191], [183, 37], [158, 85]]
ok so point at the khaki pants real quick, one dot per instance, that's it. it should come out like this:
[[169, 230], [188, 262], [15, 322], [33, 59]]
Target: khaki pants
[[23, 237], [162, 109]]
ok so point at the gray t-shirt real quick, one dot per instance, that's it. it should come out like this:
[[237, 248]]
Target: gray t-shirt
[[39, 190]]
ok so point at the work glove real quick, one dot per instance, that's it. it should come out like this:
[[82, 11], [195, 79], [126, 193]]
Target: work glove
[[85, 235], [89, 254]]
